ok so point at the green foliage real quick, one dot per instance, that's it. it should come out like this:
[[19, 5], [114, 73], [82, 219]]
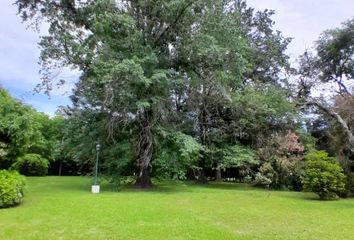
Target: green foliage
[[236, 156], [12, 188], [307, 140], [323, 175], [31, 164], [50, 134], [335, 50], [259, 110], [349, 185], [263, 179], [3, 151], [24, 130], [119, 162], [18, 131], [178, 153], [79, 135]]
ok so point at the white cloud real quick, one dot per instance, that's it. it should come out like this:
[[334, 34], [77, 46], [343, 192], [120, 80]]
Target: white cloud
[[19, 68], [18, 49], [305, 20], [48, 107]]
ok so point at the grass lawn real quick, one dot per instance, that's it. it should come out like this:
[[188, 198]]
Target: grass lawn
[[64, 208]]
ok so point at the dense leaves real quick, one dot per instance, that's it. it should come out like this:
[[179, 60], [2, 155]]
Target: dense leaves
[[31, 165], [178, 153], [323, 176], [12, 188], [24, 130]]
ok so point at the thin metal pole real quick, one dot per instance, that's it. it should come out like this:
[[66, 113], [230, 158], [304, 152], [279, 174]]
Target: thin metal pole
[[96, 169]]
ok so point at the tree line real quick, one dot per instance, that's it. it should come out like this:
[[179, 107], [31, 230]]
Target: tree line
[[194, 89]]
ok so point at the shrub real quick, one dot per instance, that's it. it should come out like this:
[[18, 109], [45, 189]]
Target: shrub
[[261, 180], [283, 161], [247, 179], [12, 186], [31, 165], [323, 175]]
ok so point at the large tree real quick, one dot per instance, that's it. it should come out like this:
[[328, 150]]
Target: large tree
[[236, 49], [147, 63], [123, 50]]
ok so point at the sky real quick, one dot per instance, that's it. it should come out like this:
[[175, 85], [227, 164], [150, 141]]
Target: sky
[[303, 20]]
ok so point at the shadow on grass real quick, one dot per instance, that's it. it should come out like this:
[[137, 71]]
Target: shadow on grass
[[83, 185], [55, 184], [226, 186], [170, 187], [59, 184], [312, 197], [156, 188]]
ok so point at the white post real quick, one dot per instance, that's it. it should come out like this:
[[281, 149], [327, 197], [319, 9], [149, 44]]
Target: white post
[[95, 188]]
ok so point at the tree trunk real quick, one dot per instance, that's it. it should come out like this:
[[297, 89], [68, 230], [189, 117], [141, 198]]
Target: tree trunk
[[60, 168], [201, 178], [203, 128], [218, 174], [143, 180], [144, 151]]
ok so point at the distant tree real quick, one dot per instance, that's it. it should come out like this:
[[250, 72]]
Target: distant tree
[[333, 62], [335, 55], [24, 130], [236, 50], [18, 129]]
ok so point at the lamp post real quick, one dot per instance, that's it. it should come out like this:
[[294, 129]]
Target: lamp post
[[96, 187]]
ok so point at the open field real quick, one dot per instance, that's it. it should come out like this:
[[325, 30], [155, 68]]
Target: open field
[[64, 208]]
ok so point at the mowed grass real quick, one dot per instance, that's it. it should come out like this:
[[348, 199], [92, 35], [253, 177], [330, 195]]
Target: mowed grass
[[64, 208]]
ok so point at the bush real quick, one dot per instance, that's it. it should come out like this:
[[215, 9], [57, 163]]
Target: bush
[[31, 165], [12, 186], [261, 180], [283, 161], [323, 175]]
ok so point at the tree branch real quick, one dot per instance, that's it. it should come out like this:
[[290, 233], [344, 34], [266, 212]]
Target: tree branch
[[179, 16], [338, 118]]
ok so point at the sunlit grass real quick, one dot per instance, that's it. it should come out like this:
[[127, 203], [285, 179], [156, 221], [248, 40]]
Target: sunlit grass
[[64, 208]]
